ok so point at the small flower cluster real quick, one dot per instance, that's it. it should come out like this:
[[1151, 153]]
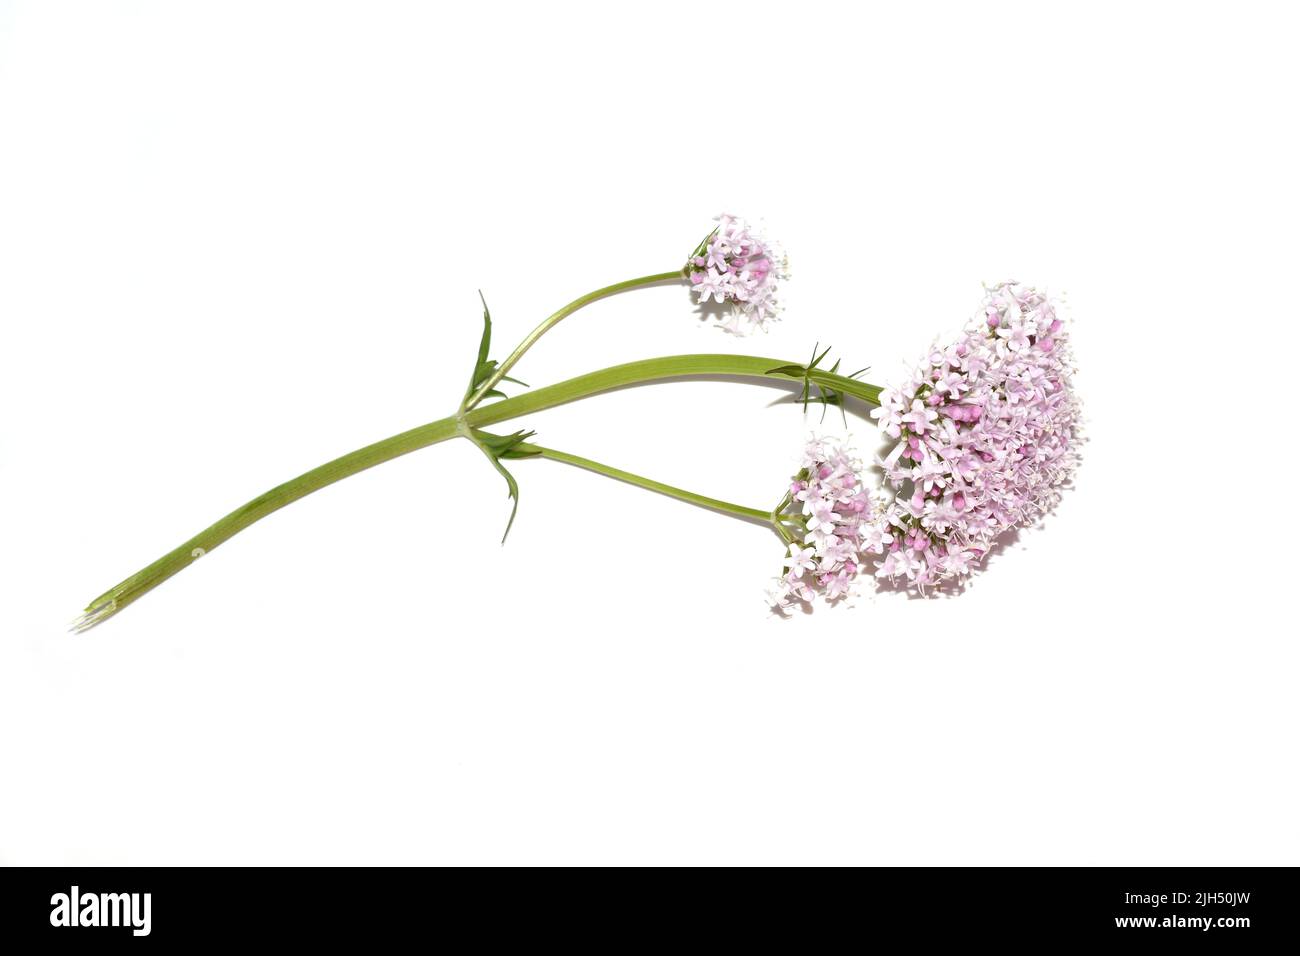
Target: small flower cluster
[[738, 266], [987, 433], [832, 526]]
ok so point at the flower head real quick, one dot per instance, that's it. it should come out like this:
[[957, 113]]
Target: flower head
[[987, 434], [736, 265], [827, 513]]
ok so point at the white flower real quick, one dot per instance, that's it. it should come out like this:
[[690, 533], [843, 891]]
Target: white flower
[[778, 595], [920, 417], [875, 538], [1016, 338], [800, 559], [712, 285], [821, 515], [957, 561]]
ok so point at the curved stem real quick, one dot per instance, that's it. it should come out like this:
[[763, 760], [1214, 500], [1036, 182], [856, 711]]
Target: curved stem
[[659, 369], [554, 319], [583, 386], [715, 504]]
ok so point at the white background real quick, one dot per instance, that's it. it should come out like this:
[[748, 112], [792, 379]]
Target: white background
[[237, 240]]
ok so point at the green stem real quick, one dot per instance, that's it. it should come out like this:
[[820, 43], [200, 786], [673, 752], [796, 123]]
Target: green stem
[[716, 504], [632, 373], [659, 369], [554, 319]]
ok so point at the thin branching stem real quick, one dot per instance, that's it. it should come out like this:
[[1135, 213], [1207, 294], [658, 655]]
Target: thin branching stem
[[632, 373], [553, 320]]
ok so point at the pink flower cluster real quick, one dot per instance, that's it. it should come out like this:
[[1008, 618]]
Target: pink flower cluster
[[987, 433], [738, 266], [832, 526]]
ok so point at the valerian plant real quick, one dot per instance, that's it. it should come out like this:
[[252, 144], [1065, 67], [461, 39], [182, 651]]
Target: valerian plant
[[985, 434]]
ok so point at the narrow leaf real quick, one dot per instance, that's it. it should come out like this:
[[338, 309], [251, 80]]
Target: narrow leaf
[[512, 492], [484, 344]]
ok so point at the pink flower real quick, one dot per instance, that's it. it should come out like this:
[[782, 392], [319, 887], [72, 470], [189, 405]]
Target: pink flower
[[833, 523], [987, 436], [919, 418], [738, 266]]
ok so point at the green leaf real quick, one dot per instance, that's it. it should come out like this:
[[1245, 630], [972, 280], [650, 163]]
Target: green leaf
[[825, 394], [521, 450], [485, 343], [484, 367], [499, 444], [480, 374], [498, 447], [794, 371], [512, 492]]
